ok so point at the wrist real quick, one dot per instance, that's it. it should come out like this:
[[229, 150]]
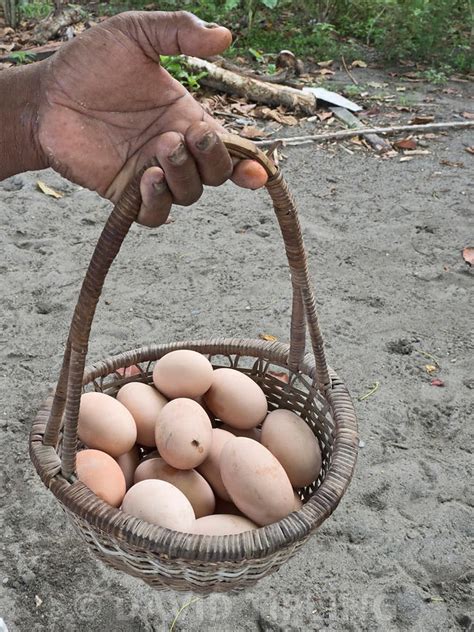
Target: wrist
[[20, 90]]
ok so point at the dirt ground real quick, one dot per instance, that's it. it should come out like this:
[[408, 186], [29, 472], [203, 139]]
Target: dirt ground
[[384, 239]]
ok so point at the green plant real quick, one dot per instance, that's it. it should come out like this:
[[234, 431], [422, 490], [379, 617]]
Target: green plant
[[22, 57], [177, 68], [35, 9]]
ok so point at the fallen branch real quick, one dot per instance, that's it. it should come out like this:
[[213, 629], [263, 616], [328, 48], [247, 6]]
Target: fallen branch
[[342, 134], [252, 89]]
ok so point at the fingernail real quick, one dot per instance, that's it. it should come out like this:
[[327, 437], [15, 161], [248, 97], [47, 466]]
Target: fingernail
[[207, 141], [179, 155], [211, 25], [159, 186]]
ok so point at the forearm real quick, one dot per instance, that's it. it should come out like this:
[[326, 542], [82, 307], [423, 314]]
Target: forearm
[[19, 98]]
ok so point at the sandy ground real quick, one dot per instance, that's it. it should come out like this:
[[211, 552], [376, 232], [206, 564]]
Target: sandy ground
[[384, 239]]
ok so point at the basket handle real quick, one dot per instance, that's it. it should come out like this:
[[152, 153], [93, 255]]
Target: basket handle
[[69, 387]]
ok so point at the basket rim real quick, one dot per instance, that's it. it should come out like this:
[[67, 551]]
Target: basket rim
[[255, 544]]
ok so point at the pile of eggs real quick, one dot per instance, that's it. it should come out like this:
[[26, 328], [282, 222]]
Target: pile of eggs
[[153, 452]]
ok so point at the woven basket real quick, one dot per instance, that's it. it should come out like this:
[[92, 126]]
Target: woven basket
[[168, 559]]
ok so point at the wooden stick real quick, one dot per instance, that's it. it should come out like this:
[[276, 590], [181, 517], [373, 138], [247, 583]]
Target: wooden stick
[[351, 76], [342, 134], [250, 88]]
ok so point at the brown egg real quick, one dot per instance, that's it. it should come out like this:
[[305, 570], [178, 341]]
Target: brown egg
[[160, 503], [128, 463], [196, 489], [222, 524], [251, 433], [102, 475], [144, 403], [236, 399], [298, 503], [105, 424], [255, 480], [183, 433], [210, 468], [293, 443], [183, 373]]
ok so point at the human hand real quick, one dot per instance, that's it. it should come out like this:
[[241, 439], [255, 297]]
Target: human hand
[[108, 108]]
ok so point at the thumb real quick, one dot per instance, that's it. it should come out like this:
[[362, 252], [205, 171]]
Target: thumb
[[181, 32]]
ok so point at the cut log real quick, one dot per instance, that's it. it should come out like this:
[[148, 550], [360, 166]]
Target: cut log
[[375, 141], [250, 88], [49, 28]]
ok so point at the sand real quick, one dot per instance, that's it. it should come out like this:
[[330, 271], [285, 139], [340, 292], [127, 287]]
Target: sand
[[384, 240]]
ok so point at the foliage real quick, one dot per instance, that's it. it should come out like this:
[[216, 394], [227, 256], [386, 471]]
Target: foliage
[[35, 9], [174, 65], [22, 57]]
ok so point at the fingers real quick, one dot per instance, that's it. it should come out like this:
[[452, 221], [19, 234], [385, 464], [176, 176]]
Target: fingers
[[187, 162], [180, 32], [212, 158], [156, 198], [249, 174]]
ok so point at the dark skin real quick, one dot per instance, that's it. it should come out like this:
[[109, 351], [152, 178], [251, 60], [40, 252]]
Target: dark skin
[[102, 108]]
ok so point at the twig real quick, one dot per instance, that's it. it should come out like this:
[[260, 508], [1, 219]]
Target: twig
[[351, 76], [315, 138], [429, 356], [373, 389], [183, 607]]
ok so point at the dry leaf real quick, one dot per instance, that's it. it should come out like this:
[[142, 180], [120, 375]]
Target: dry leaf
[[268, 337], [470, 150], [283, 377], [252, 132], [431, 368], [326, 71], [358, 63], [437, 382], [468, 255], [324, 115], [468, 115], [421, 120], [405, 143], [406, 158], [44, 188], [325, 64], [275, 115], [450, 163]]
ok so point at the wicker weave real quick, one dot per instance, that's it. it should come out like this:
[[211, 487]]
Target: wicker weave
[[168, 559]]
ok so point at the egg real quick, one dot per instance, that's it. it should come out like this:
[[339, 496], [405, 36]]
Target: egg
[[128, 463], [102, 475], [191, 483], [251, 433], [222, 524], [159, 503], [236, 399], [105, 424], [144, 403], [293, 443], [183, 433], [210, 468], [183, 373], [255, 480]]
